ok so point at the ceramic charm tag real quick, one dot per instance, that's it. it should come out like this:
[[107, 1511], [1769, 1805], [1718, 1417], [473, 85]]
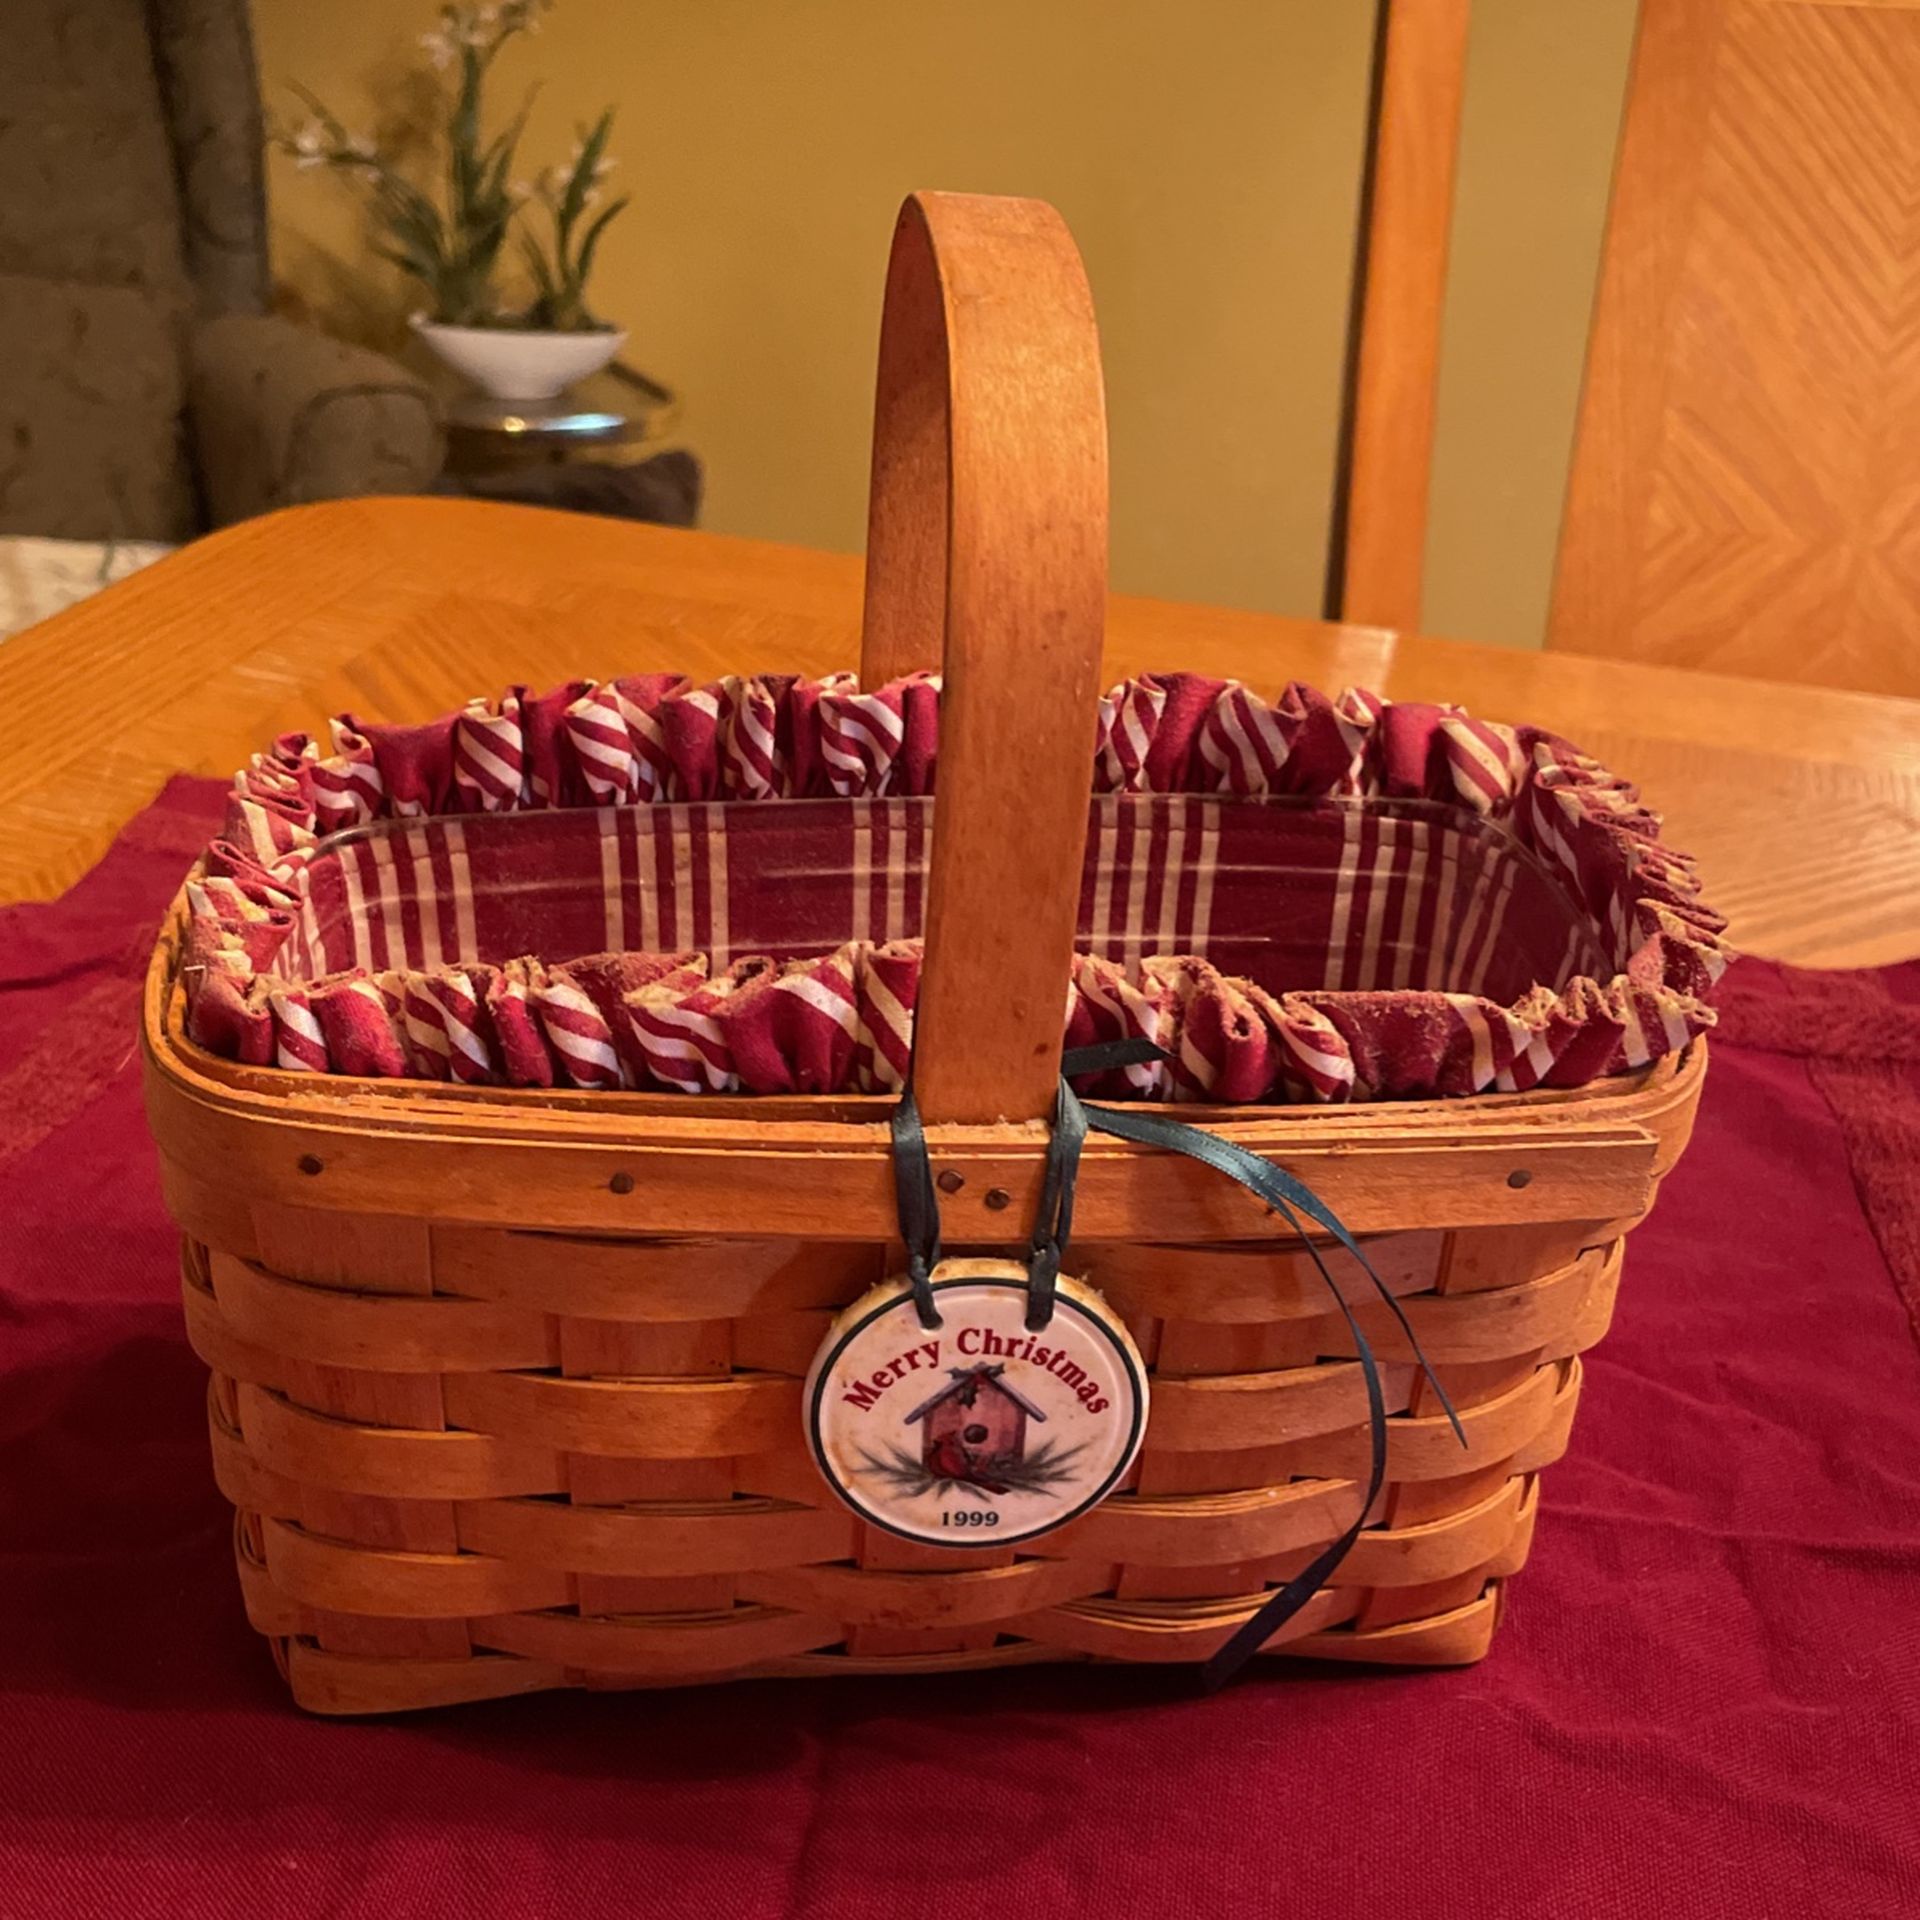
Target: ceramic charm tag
[[981, 1431]]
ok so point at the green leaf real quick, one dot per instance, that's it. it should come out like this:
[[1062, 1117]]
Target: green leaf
[[336, 129], [546, 307], [508, 137], [423, 270], [463, 136], [584, 265], [497, 164], [411, 216], [593, 143], [546, 290]]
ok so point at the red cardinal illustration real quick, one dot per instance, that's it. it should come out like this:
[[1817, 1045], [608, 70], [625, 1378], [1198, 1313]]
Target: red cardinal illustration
[[948, 1459]]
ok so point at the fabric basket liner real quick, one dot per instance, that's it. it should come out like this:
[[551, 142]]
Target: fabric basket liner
[[647, 883]]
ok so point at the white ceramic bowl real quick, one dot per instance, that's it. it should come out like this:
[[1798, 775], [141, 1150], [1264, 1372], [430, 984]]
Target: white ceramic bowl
[[515, 363]]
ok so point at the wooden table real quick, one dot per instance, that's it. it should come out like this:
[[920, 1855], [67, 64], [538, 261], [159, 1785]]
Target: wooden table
[[1803, 805]]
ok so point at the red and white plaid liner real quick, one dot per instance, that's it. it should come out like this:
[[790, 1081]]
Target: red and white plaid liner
[[1306, 899]]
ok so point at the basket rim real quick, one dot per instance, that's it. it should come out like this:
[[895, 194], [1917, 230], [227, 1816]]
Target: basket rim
[[167, 1046], [666, 1167]]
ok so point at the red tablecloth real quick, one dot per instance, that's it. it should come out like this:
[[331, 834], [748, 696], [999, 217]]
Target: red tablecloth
[[1705, 1698]]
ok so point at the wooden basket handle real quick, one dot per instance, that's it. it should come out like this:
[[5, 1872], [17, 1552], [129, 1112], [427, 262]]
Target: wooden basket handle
[[987, 551]]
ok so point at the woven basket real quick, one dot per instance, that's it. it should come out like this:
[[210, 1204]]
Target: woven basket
[[506, 1384]]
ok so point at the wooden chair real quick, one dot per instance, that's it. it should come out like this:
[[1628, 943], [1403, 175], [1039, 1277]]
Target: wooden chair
[[1744, 495]]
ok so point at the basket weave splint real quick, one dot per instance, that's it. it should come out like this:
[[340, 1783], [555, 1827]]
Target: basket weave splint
[[507, 1331]]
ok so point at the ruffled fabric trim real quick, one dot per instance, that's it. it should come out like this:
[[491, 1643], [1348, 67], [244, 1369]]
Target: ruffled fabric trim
[[841, 1023]]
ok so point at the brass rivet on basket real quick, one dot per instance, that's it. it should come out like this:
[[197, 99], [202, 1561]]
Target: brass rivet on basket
[[1519, 1177], [621, 1183], [998, 1198], [951, 1182], [308, 1163]]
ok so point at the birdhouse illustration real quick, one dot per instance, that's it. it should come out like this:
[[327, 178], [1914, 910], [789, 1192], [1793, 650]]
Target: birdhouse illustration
[[975, 1428]]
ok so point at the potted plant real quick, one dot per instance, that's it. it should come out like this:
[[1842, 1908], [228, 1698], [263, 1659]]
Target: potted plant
[[453, 245]]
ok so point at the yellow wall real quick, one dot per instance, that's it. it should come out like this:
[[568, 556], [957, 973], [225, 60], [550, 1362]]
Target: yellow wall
[[1208, 158], [1544, 85]]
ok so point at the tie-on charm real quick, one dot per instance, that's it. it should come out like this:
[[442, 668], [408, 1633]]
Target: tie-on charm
[[979, 1432]]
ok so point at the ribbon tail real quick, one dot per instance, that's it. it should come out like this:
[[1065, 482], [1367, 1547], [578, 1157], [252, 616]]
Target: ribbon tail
[[1317, 1210], [1272, 1614], [1281, 1191], [1240, 1164]]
